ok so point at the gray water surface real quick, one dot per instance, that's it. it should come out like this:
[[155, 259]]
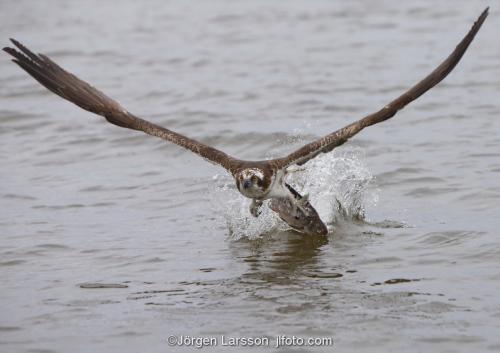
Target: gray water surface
[[85, 204]]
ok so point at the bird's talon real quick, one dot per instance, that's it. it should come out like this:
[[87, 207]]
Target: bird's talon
[[295, 169], [255, 212], [255, 209]]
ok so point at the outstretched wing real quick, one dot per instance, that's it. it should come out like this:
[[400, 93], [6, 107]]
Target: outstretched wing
[[337, 138], [71, 88]]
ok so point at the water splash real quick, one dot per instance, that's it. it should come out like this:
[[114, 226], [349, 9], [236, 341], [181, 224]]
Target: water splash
[[337, 184], [233, 208]]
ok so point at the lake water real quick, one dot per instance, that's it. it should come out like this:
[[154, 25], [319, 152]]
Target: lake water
[[84, 203]]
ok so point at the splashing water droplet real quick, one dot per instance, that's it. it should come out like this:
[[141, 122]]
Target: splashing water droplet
[[337, 185]]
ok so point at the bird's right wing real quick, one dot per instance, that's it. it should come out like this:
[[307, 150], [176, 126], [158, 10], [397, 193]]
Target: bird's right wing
[[337, 138], [79, 92]]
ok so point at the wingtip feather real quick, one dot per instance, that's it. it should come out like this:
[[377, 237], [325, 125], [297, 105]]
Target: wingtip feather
[[15, 42], [484, 14], [10, 51]]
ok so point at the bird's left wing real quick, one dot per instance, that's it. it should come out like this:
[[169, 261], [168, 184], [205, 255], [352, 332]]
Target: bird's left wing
[[337, 138], [79, 92]]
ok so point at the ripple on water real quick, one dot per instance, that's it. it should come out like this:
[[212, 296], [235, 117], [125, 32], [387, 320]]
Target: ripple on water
[[102, 285], [447, 238], [9, 328], [12, 263], [18, 197]]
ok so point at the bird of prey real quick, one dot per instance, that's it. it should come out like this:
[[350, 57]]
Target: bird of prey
[[257, 180]]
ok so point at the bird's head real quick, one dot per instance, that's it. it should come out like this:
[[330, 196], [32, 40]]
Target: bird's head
[[251, 182]]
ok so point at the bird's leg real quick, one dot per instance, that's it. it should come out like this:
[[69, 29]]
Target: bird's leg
[[294, 169], [304, 199], [302, 202], [255, 207]]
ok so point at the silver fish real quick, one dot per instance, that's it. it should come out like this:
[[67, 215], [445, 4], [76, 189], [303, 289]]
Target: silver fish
[[304, 219]]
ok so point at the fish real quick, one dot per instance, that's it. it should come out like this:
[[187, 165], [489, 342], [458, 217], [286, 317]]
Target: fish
[[303, 218]]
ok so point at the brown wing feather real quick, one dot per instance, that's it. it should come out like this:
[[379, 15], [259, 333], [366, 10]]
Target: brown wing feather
[[337, 138], [71, 88]]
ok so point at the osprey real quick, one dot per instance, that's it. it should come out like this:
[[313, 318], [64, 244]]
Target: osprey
[[257, 180]]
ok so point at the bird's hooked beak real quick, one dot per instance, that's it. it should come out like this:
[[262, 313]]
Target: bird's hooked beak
[[246, 183]]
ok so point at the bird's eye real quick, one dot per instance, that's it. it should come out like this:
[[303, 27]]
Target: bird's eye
[[254, 179]]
